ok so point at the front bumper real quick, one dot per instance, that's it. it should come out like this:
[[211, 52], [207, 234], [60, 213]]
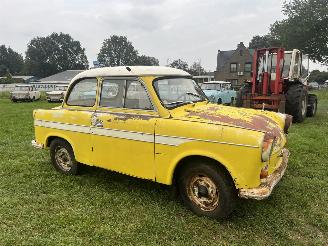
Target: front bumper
[[267, 184], [36, 145], [18, 98]]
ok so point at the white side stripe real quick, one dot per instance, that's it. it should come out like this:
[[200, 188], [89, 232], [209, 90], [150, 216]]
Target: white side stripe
[[173, 141], [62, 126], [131, 135], [137, 136]]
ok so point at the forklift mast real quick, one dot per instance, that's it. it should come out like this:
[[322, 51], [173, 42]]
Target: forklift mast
[[267, 71]]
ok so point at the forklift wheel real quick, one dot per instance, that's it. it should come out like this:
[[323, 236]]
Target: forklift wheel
[[296, 102], [312, 105]]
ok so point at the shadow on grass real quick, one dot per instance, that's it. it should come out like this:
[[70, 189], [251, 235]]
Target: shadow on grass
[[90, 176]]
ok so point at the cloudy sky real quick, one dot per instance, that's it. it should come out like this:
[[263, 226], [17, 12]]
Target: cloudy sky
[[192, 30]]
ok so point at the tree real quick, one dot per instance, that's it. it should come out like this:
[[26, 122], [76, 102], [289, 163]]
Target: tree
[[55, 53], [305, 28], [318, 76], [180, 64], [117, 51], [146, 61], [10, 61], [196, 69], [264, 41]]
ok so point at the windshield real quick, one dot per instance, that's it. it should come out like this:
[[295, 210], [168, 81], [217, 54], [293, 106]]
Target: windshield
[[174, 92], [288, 58], [226, 86]]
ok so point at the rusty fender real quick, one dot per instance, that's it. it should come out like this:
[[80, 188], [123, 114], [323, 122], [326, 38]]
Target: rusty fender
[[267, 184]]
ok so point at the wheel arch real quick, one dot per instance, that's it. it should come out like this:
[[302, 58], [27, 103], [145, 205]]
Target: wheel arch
[[185, 161], [52, 137]]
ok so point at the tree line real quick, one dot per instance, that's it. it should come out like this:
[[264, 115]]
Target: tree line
[[58, 52], [305, 28]]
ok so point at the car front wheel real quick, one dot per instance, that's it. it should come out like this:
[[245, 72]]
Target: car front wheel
[[207, 190], [62, 157]]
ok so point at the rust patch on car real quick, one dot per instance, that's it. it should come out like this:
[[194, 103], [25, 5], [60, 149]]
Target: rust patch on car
[[242, 119], [125, 117]]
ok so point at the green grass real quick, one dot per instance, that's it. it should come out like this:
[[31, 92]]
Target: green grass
[[39, 206]]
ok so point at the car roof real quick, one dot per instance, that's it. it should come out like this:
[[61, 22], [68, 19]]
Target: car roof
[[131, 71], [217, 82], [23, 85]]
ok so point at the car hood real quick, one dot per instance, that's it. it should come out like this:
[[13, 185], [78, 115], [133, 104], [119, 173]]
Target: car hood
[[258, 120]]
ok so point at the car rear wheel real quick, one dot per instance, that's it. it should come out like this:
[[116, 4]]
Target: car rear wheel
[[62, 157], [207, 190]]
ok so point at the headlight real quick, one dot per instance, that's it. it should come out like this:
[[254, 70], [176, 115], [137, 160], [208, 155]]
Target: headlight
[[267, 147], [288, 122], [288, 119]]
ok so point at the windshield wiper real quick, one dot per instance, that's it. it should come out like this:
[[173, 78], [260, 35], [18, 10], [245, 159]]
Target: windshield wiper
[[193, 94], [178, 103]]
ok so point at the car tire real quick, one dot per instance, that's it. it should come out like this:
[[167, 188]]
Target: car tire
[[219, 101], [312, 105], [62, 157], [207, 189]]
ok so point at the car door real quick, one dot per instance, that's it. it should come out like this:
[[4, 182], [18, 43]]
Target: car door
[[74, 118], [123, 128]]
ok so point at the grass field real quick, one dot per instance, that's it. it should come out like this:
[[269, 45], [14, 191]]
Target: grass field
[[39, 206]]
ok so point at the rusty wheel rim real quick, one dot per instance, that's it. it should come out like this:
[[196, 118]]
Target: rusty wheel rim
[[63, 158], [203, 192]]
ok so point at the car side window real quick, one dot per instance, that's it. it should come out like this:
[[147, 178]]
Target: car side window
[[112, 93], [136, 96], [83, 93]]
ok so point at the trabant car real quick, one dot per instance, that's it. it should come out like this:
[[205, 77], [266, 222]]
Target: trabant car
[[24, 93], [58, 94], [219, 92], [156, 123]]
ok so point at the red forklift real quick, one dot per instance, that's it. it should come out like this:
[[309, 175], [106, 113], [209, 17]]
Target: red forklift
[[279, 83]]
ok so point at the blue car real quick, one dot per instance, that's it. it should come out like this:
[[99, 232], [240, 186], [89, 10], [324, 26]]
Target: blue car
[[219, 92]]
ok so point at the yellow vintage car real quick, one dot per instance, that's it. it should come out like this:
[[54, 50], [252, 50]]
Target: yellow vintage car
[[156, 123]]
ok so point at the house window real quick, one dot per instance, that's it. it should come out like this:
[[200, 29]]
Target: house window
[[233, 67], [248, 67]]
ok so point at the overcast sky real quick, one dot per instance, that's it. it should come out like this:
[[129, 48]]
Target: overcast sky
[[192, 30]]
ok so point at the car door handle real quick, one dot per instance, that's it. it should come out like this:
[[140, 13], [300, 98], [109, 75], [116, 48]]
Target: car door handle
[[99, 124]]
